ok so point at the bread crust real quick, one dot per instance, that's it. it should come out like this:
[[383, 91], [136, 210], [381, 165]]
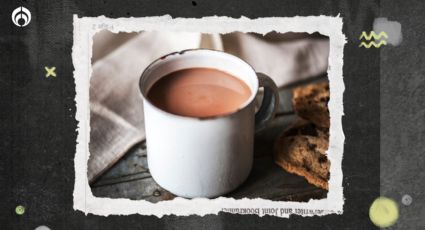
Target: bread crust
[[301, 149], [311, 103]]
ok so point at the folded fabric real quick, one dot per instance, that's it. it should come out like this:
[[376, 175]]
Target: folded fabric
[[116, 113], [284, 61]]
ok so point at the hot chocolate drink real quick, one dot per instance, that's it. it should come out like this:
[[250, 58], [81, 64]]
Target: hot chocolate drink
[[199, 92]]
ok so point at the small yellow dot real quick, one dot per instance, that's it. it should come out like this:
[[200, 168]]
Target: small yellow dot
[[383, 212], [20, 210]]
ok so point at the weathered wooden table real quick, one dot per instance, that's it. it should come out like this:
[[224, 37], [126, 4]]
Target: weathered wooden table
[[130, 177]]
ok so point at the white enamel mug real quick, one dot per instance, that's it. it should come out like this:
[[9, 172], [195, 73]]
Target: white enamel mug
[[204, 157]]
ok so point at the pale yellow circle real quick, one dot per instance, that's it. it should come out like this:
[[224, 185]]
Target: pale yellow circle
[[383, 212], [20, 210]]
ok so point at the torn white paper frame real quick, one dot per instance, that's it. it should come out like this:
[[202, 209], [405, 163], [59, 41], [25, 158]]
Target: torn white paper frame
[[84, 30]]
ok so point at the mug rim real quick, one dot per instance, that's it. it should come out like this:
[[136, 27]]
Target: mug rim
[[157, 60]]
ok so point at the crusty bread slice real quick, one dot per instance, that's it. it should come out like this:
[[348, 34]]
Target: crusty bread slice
[[311, 103], [301, 150]]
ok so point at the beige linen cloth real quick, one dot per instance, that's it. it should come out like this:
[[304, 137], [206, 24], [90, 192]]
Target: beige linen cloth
[[116, 113]]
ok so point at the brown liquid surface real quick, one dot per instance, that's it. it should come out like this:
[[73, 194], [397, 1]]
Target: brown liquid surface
[[199, 92]]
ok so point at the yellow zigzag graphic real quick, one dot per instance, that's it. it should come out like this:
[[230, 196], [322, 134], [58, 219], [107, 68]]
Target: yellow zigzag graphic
[[372, 34], [372, 43]]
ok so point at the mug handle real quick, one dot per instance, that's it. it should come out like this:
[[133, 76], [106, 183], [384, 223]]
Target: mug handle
[[270, 102]]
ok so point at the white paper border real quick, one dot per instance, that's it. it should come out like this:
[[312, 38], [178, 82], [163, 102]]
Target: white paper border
[[86, 27]]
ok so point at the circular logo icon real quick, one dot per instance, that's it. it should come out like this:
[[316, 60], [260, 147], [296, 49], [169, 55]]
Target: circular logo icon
[[21, 16]]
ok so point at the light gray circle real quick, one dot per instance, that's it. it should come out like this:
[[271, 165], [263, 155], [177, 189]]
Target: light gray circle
[[406, 199], [42, 227]]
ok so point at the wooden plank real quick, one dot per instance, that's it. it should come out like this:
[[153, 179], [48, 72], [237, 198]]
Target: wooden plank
[[130, 178], [133, 162], [268, 181], [142, 189]]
